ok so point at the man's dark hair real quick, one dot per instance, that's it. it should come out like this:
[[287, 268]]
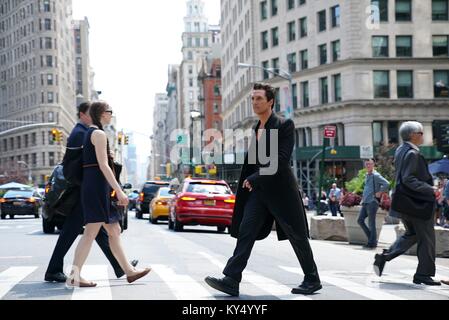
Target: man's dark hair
[[270, 92], [84, 108]]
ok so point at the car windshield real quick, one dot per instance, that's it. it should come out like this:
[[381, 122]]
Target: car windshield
[[18, 193], [163, 192], [208, 188], [150, 189]]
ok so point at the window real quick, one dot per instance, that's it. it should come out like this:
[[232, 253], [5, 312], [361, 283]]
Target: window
[[216, 108], [335, 50], [335, 12], [275, 37], [324, 95], [48, 43], [47, 24], [441, 81], [303, 27], [321, 20], [49, 79], [439, 10], [378, 137], [380, 14], [190, 82], [50, 97], [275, 64], [380, 46], [304, 59], [206, 42], [405, 84], [189, 42], [404, 46], [49, 60], [381, 84], [197, 42], [305, 94], [277, 106], [440, 46], [189, 55], [190, 70], [322, 49], [337, 87], [264, 38], [301, 2], [266, 65], [51, 158], [295, 95], [263, 10], [291, 27], [291, 60], [46, 5], [290, 4], [403, 10], [274, 7], [217, 90]]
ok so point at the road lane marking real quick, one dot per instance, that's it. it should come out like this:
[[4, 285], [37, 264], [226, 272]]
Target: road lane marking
[[354, 287], [18, 257], [265, 284], [440, 290], [12, 276], [98, 274], [182, 286], [35, 232]]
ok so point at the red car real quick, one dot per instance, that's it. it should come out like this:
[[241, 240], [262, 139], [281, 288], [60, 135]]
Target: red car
[[201, 202]]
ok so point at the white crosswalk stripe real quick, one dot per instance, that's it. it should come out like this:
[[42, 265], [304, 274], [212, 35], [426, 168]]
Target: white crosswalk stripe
[[182, 286], [351, 286], [98, 274], [12, 276], [273, 287], [443, 291]]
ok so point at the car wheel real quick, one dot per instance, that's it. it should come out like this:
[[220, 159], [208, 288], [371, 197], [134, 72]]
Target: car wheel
[[11, 216], [139, 215], [151, 219], [48, 227], [177, 226], [3, 216], [221, 229]]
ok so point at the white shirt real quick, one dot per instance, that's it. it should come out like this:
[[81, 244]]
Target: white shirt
[[413, 145]]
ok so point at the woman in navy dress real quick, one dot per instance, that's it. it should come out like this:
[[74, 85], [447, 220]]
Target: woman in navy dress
[[98, 183]]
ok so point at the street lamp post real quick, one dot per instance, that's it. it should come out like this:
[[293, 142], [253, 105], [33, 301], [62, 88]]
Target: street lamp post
[[29, 170], [287, 76], [196, 115]]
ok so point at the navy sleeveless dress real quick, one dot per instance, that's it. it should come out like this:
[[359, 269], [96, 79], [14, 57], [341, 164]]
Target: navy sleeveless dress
[[95, 189]]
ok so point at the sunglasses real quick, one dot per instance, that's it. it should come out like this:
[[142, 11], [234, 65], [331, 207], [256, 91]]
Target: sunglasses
[[420, 133], [109, 111]]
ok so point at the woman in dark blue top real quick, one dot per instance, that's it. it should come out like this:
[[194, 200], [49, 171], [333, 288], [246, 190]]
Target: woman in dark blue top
[[98, 182]]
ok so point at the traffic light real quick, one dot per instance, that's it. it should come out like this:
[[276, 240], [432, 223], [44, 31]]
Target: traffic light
[[126, 140], [54, 135], [334, 152], [59, 136], [120, 138]]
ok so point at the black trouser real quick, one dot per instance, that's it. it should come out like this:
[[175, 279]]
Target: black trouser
[[72, 227], [254, 218], [421, 232]]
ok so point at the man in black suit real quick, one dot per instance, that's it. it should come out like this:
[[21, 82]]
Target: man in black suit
[[413, 172], [268, 192], [75, 221]]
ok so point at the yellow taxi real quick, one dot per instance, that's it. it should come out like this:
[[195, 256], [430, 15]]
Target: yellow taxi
[[159, 206]]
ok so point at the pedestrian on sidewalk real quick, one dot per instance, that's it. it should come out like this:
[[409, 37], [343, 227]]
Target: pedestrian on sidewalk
[[97, 184], [334, 199], [375, 185], [413, 181], [264, 197], [74, 221]]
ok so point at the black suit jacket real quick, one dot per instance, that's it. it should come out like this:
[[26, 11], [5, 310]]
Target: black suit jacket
[[415, 175], [76, 138], [279, 191]]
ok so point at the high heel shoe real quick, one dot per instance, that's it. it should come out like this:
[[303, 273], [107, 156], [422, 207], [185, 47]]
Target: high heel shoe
[[142, 274]]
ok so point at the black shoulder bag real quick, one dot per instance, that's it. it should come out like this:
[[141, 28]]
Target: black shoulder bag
[[405, 202]]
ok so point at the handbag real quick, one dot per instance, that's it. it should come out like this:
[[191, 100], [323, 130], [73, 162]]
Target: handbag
[[405, 201]]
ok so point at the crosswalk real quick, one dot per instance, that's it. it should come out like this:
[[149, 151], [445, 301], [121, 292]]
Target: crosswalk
[[173, 284]]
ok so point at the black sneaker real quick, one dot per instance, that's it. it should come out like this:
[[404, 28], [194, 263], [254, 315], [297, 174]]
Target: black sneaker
[[379, 264], [307, 287], [226, 285], [428, 281]]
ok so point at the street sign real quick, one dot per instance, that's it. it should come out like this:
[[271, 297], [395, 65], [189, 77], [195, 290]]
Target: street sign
[[442, 136], [366, 152], [330, 132]]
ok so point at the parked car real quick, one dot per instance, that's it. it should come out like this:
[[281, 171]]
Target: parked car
[[159, 206], [148, 192], [133, 197], [20, 203], [201, 202]]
